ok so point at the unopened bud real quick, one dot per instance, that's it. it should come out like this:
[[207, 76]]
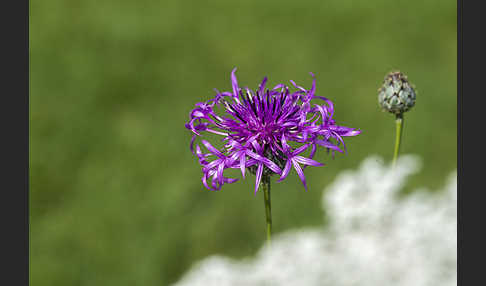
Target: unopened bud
[[397, 94]]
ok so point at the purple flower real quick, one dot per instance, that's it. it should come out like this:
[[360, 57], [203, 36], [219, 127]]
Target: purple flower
[[256, 128]]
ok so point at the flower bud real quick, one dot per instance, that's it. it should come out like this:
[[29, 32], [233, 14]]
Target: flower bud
[[397, 94]]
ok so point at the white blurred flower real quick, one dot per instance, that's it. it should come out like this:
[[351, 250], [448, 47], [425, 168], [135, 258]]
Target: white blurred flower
[[374, 238]]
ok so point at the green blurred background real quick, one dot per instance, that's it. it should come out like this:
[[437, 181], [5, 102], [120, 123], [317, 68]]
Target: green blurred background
[[116, 196]]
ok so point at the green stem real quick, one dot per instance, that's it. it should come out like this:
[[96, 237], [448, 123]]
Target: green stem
[[399, 124], [265, 185]]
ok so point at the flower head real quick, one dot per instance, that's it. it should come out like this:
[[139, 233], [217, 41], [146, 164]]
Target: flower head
[[257, 127], [396, 95]]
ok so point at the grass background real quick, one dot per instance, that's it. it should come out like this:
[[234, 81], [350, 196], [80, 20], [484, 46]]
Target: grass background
[[116, 196]]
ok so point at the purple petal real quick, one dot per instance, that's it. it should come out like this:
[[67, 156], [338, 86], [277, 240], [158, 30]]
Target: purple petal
[[234, 83], [205, 182], [216, 132], [299, 87], [251, 140], [328, 101], [262, 85], [328, 144], [313, 88], [300, 149], [312, 153], [251, 162], [257, 146], [220, 173], [345, 131], [307, 161], [271, 165], [230, 180], [323, 111], [353, 133], [258, 177], [285, 171], [212, 165], [192, 144], [286, 147], [254, 155], [197, 113], [214, 182], [243, 165], [300, 173], [278, 86], [212, 149]]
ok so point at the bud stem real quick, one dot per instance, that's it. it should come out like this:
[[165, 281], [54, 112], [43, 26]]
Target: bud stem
[[265, 185], [399, 125]]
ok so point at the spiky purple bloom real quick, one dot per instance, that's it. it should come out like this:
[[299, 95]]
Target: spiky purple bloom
[[258, 126]]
